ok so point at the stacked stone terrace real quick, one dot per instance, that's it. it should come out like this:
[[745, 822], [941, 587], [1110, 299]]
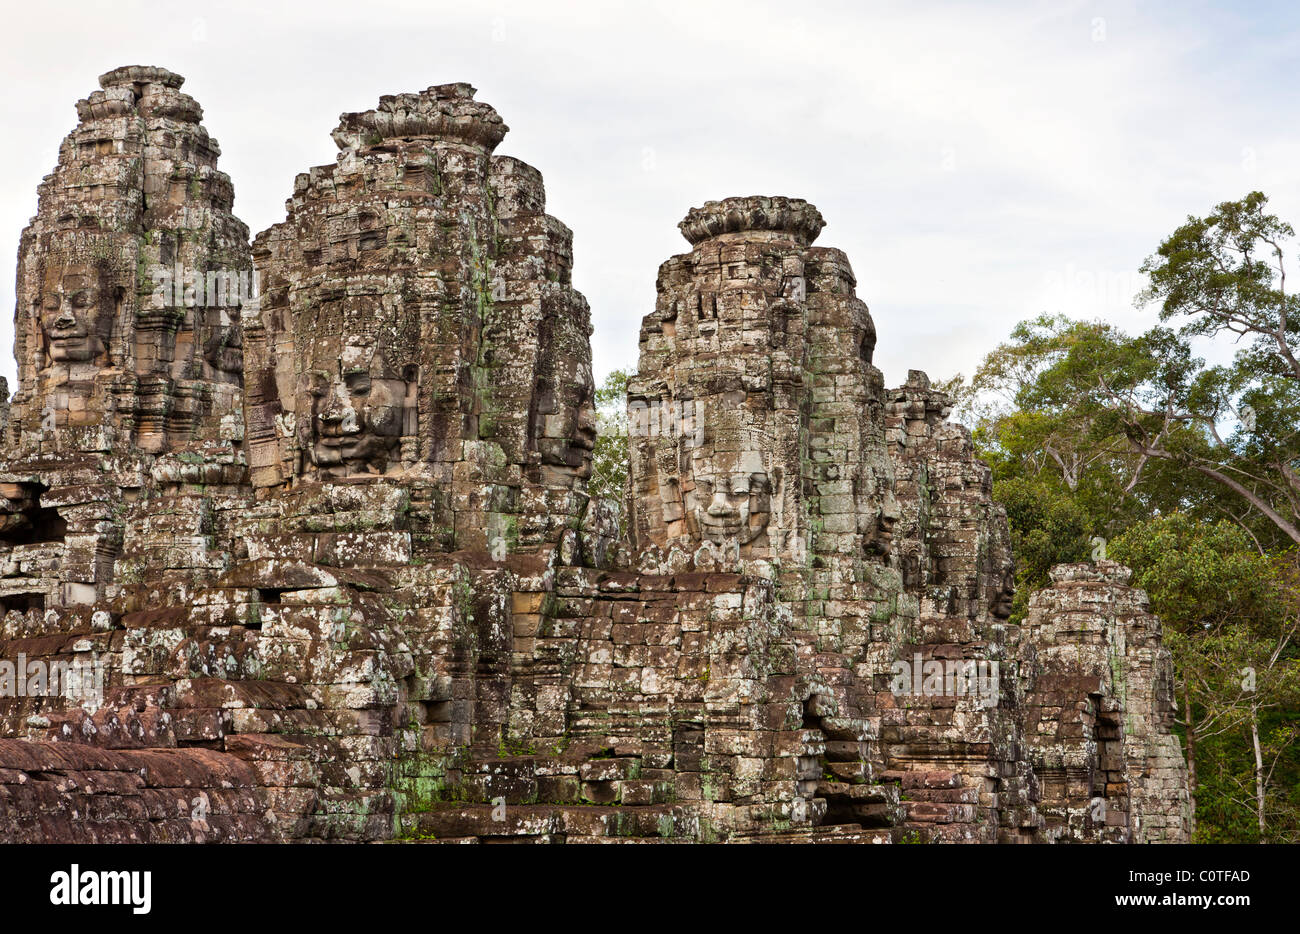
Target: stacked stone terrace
[[332, 555]]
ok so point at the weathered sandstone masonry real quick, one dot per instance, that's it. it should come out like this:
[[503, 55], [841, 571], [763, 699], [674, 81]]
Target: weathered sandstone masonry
[[331, 551]]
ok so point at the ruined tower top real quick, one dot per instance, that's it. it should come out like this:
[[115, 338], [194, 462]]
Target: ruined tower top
[[756, 217], [144, 91], [130, 75], [444, 112], [755, 408]]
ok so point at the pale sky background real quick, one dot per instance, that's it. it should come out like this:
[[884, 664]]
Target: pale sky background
[[980, 163]]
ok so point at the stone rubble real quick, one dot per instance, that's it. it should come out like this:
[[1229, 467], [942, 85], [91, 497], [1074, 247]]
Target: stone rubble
[[330, 546]]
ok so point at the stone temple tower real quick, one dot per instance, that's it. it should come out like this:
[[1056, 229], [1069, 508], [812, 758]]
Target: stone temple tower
[[756, 411], [130, 278], [419, 324], [127, 335]]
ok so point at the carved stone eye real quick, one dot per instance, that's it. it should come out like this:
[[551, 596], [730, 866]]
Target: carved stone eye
[[83, 299], [51, 302], [358, 383], [739, 486]]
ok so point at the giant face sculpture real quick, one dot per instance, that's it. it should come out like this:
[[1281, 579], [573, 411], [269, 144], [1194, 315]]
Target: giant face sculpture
[[564, 424], [730, 498], [224, 348], [570, 432], [878, 512], [77, 307], [358, 414]]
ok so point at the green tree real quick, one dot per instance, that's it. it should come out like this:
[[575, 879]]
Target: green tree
[[610, 455], [1191, 471], [1224, 276], [1230, 621], [1084, 398], [1048, 527], [1061, 465]]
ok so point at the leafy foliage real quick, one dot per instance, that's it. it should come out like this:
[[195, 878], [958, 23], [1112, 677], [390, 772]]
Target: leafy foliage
[[1230, 619], [1190, 470], [610, 455]]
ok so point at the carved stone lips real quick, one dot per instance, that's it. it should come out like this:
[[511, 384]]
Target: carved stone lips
[[725, 526]]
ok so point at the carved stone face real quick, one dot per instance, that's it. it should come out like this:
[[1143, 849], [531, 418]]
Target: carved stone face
[[569, 434], [582, 437], [224, 350], [1003, 601], [358, 415], [878, 510], [731, 499], [76, 315], [881, 535]]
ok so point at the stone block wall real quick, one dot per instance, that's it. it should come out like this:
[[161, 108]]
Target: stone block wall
[[1099, 706]]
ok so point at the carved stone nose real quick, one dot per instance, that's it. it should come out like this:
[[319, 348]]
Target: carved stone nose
[[341, 416], [65, 320], [344, 419], [721, 506]]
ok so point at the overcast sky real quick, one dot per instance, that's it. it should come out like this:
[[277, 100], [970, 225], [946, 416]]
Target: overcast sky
[[980, 163]]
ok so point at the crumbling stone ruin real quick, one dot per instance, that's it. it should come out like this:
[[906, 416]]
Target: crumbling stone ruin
[[319, 562]]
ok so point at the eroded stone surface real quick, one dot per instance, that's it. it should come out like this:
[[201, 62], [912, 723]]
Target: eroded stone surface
[[334, 555]]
